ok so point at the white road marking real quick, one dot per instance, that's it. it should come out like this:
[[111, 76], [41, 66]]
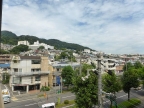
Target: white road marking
[[34, 103], [117, 97], [68, 96], [26, 100]]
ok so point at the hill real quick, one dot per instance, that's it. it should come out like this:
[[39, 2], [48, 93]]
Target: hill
[[11, 38]]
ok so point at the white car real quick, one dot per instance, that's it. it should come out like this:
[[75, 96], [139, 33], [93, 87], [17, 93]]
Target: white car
[[6, 98]]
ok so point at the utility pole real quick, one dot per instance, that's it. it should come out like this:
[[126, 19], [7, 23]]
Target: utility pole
[[80, 63], [100, 104]]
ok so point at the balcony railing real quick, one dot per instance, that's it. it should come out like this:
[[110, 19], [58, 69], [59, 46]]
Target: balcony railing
[[29, 73]]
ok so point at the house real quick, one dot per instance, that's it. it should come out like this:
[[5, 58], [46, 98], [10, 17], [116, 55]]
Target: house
[[29, 73]]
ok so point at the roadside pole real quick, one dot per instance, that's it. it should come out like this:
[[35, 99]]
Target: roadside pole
[[100, 104]]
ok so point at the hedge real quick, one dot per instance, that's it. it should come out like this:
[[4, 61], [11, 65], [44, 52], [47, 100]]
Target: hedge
[[129, 104]]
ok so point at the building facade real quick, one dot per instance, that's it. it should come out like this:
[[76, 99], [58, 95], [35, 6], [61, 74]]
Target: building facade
[[28, 73]]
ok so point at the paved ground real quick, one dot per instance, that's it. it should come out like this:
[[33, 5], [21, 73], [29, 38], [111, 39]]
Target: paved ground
[[31, 100]]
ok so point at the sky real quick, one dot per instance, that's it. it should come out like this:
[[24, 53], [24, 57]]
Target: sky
[[110, 26]]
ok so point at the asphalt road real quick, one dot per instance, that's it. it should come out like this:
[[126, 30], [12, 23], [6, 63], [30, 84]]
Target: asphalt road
[[37, 102]]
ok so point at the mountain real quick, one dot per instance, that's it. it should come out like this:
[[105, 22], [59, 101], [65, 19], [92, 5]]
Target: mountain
[[10, 38]]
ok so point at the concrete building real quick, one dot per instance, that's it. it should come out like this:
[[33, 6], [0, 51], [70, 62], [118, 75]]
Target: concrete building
[[87, 51], [5, 58], [37, 45], [29, 73], [23, 43]]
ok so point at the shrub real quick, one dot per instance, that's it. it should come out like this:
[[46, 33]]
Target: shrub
[[66, 102], [45, 88], [129, 104]]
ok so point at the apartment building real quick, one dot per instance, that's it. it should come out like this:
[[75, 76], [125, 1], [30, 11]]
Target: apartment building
[[5, 58], [29, 73]]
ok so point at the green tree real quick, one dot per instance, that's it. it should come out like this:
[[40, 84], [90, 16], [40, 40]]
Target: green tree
[[128, 66], [41, 47], [19, 48], [67, 75], [137, 65], [6, 78], [111, 84], [129, 80], [85, 91]]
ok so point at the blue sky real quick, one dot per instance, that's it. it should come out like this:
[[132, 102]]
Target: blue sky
[[111, 26]]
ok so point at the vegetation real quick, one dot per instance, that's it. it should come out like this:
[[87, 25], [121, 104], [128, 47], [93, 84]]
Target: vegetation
[[67, 75], [19, 48], [44, 88], [6, 78], [111, 84], [41, 47], [11, 38], [130, 79], [66, 55], [66, 102], [132, 103], [85, 91], [60, 105]]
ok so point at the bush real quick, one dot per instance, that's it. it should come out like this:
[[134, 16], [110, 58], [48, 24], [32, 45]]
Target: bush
[[45, 88], [129, 104], [66, 102]]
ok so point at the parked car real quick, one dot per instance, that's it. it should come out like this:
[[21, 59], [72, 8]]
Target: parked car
[[6, 98]]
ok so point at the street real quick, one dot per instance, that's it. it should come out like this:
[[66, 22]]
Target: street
[[37, 102]]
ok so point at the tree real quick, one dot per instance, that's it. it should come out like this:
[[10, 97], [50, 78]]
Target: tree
[[41, 47], [137, 65], [85, 91], [67, 75], [128, 66], [129, 80], [111, 84], [19, 48]]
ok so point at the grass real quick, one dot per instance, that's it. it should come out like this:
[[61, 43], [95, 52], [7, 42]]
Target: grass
[[71, 102], [132, 103]]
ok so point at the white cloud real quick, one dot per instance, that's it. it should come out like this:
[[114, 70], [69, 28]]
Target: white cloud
[[112, 27]]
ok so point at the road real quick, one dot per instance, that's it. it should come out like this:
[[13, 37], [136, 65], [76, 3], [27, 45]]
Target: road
[[37, 102], [29, 102]]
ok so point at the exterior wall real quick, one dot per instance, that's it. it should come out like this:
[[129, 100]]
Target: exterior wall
[[23, 42], [44, 81], [44, 68], [26, 80], [35, 66], [25, 65]]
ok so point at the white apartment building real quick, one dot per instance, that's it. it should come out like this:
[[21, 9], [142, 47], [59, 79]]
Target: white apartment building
[[37, 45], [28, 73], [23, 43], [87, 51]]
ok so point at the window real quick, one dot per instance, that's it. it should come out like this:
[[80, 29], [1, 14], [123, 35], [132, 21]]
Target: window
[[20, 69], [36, 61], [15, 61], [35, 70], [15, 69], [17, 80], [37, 78]]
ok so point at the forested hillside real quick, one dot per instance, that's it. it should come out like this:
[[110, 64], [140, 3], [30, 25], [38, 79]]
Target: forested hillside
[[10, 38]]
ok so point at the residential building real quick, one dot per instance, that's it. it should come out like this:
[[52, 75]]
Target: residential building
[[5, 58], [23, 43], [29, 73]]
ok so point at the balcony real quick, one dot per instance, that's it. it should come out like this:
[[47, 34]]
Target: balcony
[[29, 73]]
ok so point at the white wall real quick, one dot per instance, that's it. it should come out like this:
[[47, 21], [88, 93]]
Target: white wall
[[26, 80]]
